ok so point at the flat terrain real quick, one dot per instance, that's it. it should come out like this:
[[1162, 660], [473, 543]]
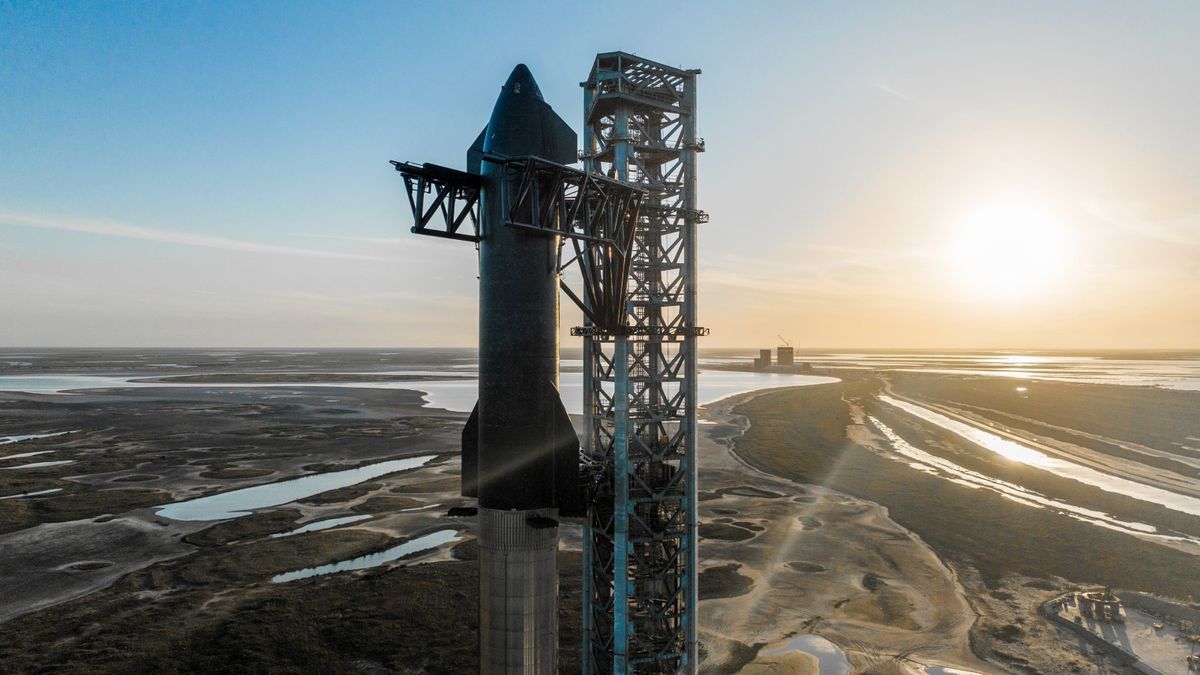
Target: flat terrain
[[811, 560], [95, 578], [122, 588], [1010, 556], [813, 527]]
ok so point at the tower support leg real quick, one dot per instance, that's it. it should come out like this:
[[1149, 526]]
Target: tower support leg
[[622, 626]]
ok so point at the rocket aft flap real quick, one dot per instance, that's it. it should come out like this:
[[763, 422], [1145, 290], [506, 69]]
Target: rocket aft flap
[[554, 460]]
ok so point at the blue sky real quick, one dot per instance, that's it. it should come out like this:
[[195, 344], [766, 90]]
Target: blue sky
[[216, 173]]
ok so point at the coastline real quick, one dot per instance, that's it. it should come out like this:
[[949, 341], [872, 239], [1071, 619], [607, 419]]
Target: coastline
[[849, 581], [783, 558], [1009, 556]]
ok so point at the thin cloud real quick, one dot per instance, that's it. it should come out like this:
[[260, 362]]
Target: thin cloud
[[386, 301], [1128, 217], [889, 90], [831, 271], [114, 229], [384, 241], [938, 112]]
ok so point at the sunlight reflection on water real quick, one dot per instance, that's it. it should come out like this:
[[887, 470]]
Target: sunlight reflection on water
[[238, 503], [938, 466], [830, 657], [1060, 467], [417, 545]]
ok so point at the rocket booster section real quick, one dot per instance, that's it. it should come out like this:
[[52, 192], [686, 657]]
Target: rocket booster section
[[519, 448]]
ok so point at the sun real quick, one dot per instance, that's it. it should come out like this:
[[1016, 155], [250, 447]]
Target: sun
[[1008, 249]]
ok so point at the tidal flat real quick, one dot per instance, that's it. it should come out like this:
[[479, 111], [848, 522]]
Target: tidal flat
[[179, 595], [820, 541], [1009, 554]]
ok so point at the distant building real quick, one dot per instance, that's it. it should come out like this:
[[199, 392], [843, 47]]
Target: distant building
[[764, 358], [786, 356]]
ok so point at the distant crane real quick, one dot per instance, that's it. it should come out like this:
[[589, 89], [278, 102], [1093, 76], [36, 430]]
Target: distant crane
[[785, 355]]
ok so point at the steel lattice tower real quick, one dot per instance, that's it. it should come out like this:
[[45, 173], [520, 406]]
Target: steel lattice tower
[[640, 576]]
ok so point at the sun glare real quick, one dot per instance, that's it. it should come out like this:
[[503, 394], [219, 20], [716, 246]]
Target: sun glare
[[1010, 249]]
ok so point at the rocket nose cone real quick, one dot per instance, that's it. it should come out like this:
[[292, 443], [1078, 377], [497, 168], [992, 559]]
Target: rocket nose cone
[[521, 83]]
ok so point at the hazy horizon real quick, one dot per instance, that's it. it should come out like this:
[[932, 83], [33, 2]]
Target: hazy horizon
[[567, 349], [210, 174]]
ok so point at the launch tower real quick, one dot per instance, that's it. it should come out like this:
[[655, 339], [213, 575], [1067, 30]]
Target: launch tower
[[625, 226], [640, 564]]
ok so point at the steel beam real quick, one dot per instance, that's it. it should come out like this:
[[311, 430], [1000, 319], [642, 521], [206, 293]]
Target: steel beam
[[640, 379]]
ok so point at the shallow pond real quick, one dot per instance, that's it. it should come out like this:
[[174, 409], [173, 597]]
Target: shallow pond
[[714, 385], [938, 466], [830, 657], [5, 440], [238, 503], [417, 545], [1017, 452], [322, 525], [32, 494], [38, 465], [19, 455]]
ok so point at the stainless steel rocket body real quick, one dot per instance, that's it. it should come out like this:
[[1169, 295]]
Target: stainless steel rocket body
[[518, 593], [517, 431], [518, 319]]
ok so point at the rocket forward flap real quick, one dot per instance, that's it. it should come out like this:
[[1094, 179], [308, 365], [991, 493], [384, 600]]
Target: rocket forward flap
[[470, 455], [475, 153], [568, 496], [561, 141]]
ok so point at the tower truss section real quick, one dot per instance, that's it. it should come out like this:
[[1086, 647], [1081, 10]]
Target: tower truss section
[[640, 576]]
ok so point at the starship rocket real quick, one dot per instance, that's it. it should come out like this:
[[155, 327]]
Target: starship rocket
[[520, 452]]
